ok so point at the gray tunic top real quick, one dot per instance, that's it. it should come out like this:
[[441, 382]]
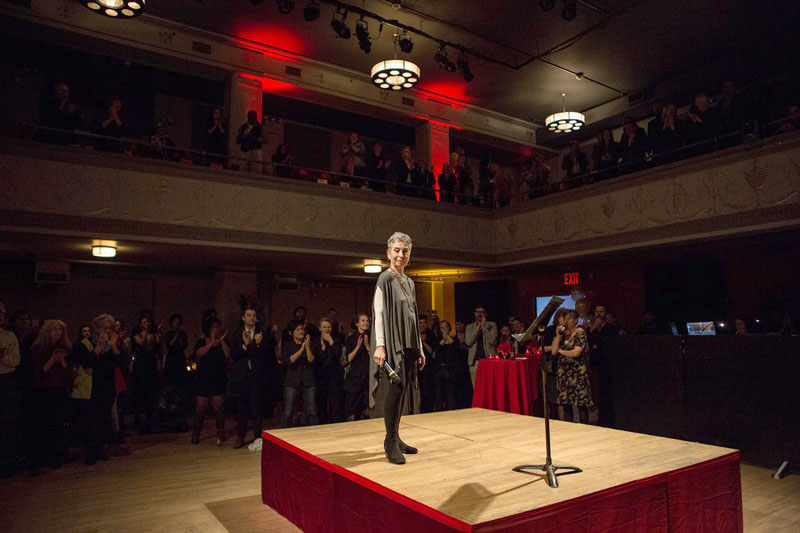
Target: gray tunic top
[[395, 325]]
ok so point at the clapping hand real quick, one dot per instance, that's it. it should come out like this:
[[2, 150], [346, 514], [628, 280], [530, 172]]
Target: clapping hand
[[366, 341]]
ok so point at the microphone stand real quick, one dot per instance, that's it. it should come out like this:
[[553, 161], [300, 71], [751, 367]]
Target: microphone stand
[[548, 467]]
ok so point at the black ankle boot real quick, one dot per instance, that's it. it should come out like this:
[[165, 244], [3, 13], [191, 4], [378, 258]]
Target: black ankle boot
[[390, 446], [405, 448]]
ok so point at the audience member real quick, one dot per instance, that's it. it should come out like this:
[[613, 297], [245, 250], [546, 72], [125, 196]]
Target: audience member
[[425, 181], [250, 137], [666, 133], [211, 353], [465, 187], [9, 399], [426, 376], [60, 114], [703, 123], [447, 184], [300, 314], [404, 173], [147, 359], [601, 362], [298, 358], [53, 377], [792, 122], [378, 169], [282, 161], [176, 342], [572, 379], [551, 360], [93, 389], [538, 177], [249, 353], [481, 339], [160, 143], [632, 146], [356, 369], [463, 380], [574, 165], [604, 155], [353, 153], [217, 138], [111, 127], [329, 375], [446, 363]]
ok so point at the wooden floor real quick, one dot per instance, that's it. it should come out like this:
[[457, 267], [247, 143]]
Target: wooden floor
[[166, 484]]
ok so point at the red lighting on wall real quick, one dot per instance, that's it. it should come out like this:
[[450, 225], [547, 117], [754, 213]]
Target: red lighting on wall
[[273, 36], [451, 93], [571, 278]]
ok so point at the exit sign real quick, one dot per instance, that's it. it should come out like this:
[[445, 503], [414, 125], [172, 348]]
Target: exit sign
[[571, 278]]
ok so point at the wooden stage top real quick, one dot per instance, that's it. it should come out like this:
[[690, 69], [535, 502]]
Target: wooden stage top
[[464, 468]]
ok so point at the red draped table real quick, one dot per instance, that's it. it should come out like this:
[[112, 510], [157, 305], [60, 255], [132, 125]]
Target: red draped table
[[509, 385]]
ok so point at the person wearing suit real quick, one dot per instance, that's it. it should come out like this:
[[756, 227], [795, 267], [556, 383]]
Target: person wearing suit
[[481, 338], [249, 352]]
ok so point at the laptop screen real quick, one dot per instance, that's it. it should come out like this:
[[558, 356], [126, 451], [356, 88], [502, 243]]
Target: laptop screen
[[700, 328]]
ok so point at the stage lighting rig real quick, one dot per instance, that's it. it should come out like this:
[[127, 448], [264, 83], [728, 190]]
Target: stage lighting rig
[[463, 68], [440, 58], [569, 9], [339, 26], [311, 11], [405, 43], [285, 6], [362, 34]]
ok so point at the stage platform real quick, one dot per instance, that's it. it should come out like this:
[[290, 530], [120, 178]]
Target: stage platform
[[336, 478]]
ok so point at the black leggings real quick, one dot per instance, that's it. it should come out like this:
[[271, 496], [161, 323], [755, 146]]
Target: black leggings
[[395, 396]]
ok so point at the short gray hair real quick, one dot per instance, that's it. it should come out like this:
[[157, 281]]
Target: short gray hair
[[398, 236]]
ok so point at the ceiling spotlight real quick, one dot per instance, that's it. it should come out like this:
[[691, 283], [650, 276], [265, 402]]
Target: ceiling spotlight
[[285, 6], [311, 11], [362, 34], [339, 25], [118, 9], [569, 9], [440, 58], [405, 43], [547, 5], [463, 68]]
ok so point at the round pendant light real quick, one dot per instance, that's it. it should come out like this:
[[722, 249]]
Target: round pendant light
[[565, 121], [395, 74], [118, 9]]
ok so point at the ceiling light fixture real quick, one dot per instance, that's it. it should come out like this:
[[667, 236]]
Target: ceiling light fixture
[[440, 58], [405, 43], [362, 34], [104, 248], [118, 9], [372, 266], [463, 68], [339, 26], [285, 6], [395, 74], [311, 11], [569, 9], [566, 121]]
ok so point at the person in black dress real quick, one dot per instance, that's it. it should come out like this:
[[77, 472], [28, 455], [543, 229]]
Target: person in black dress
[[211, 353], [356, 369], [446, 361], [147, 349]]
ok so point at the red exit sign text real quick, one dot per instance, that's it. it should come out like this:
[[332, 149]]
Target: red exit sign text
[[571, 278]]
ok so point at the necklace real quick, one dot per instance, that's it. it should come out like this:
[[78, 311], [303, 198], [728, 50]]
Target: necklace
[[410, 302]]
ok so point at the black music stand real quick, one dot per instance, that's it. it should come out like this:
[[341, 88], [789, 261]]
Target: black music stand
[[548, 467]]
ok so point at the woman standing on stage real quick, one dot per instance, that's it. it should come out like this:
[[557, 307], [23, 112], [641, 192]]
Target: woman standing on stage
[[573, 371], [397, 340]]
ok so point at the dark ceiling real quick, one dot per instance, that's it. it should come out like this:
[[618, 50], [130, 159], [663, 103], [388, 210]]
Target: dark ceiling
[[628, 44]]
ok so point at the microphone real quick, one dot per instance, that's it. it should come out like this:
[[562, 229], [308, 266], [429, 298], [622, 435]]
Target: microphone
[[394, 379]]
